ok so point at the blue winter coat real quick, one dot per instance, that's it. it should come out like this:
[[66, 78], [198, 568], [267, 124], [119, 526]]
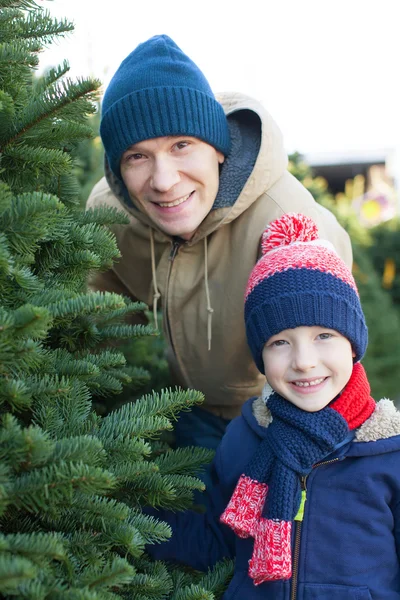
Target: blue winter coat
[[348, 545]]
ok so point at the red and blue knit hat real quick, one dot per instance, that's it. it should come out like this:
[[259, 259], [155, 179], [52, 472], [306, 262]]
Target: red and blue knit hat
[[301, 281]]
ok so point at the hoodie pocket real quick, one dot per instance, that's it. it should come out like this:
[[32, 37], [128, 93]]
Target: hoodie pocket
[[315, 591], [243, 588]]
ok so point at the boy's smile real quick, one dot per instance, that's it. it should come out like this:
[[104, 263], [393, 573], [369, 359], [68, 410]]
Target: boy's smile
[[309, 366]]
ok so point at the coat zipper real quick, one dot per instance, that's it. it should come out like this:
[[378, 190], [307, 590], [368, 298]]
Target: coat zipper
[[298, 524], [174, 250], [176, 244], [296, 551]]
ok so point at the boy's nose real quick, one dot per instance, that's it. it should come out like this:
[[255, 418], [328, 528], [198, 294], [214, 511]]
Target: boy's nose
[[164, 175], [304, 359]]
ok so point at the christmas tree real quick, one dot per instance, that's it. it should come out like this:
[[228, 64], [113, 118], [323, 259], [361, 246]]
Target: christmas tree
[[89, 159], [384, 253], [72, 484]]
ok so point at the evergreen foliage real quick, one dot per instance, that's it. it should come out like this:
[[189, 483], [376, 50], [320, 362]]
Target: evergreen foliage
[[72, 484], [340, 206], [89, 159], [384, 254], [383, 354]]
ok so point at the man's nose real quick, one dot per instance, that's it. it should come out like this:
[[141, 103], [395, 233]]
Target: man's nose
[[164, 175]]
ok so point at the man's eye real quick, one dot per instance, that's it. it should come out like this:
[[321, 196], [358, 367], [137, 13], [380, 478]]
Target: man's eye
[[181, 145], [279, 343], [325, 336], [133, 156]]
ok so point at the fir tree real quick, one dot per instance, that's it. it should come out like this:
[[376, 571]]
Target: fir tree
[[72, 484], [383, 354], [339, 205], [384, 253], [89, 159]]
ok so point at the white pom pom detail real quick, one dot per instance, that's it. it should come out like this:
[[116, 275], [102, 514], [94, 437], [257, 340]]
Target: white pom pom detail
[[290, 228]]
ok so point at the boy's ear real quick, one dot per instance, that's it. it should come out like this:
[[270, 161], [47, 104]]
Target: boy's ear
[[353, 354]]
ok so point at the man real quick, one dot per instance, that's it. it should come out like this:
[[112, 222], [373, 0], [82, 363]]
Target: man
[[200, 179]]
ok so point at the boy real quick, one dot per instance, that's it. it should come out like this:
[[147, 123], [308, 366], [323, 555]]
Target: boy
[[308, 491]]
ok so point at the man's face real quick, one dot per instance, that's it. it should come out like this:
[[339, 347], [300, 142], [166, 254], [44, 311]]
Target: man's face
[[309, 366], [175, 180]]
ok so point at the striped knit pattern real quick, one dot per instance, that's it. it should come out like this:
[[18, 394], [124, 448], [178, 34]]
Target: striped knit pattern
[[300, 281], [272, 556], [245, 507], [301, 256], [267, 496]]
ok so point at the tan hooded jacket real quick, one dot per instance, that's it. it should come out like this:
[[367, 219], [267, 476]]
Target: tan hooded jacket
[[202, 282]]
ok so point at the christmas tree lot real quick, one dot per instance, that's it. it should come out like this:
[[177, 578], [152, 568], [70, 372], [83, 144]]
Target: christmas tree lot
[[72, 483]]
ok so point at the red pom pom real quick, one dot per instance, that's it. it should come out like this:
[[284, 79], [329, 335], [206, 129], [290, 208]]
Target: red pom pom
[[291, 227]]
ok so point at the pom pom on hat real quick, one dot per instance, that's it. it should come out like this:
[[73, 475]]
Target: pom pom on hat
[[300, 281], [291, 227]]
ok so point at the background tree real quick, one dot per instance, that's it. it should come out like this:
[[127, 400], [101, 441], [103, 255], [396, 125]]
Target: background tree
[[89, 159], [382, 358], [384, 253], [340, 205], [72, 484]]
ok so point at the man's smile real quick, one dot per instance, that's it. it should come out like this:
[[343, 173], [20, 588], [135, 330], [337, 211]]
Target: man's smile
[[176, 202]]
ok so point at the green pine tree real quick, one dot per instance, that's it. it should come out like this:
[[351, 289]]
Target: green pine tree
[[89, 159], [382, 358], [72, 484], [384, 254], [340, 205]]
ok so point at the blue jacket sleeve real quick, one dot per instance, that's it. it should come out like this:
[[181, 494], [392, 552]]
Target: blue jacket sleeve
[[198, 540]]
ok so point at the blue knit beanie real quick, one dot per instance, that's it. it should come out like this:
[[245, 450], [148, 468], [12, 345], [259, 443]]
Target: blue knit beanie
[[301, 281], [158, 91]]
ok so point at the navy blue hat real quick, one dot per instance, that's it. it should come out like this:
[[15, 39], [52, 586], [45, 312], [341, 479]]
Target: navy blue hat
[[158, 91], [301, 281]]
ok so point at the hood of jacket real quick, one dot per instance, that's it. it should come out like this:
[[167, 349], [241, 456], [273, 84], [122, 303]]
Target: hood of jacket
[[256, 161], [378, 435]]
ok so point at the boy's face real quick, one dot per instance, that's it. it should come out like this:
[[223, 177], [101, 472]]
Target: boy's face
[[309, 366], [175, 180]]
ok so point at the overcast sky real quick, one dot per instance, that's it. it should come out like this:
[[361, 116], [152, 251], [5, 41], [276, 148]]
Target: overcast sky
[[328, 71]]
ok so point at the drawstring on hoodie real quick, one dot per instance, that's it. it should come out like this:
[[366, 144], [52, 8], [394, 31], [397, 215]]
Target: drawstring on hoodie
[[210, 310], [156, 294]]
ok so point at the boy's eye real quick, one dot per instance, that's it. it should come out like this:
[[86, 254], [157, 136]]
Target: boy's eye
[[325, 336]]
